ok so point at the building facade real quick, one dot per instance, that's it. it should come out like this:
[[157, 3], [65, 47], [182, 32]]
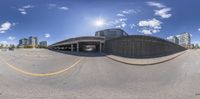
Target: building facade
[[141, 46], [111, 33], [43, 43], [185, 40], [23, 42], [33, 41]]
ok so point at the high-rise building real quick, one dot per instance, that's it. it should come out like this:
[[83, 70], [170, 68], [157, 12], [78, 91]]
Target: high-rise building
[[23, 42], [33, 41], [43, 43], [173, 39], [185, 39]]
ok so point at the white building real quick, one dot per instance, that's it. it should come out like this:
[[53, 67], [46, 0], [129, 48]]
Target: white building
[[185, 39]]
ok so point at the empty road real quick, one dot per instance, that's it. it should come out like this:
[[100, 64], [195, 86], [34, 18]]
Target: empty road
[[44, 74]]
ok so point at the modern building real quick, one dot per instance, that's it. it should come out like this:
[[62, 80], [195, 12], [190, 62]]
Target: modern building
[[30, 42], [23, 42], [185, 39], [33, 41], [119, 43], [43, 43], [111, 33], [173, 39]]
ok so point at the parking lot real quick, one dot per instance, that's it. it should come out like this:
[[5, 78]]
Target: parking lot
[[45, 74]]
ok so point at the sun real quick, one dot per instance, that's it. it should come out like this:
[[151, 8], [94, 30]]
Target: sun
[[99, 22]]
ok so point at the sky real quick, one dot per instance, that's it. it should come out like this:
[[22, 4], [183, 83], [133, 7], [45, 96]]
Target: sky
[[56, 20]]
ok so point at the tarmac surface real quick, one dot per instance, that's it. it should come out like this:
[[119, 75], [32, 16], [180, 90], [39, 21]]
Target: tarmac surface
[[24, 75]]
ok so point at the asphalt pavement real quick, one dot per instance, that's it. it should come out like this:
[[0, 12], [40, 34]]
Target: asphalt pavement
[[94, 76]]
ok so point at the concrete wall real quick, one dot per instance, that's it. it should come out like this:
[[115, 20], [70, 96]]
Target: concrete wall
[[141, 46]]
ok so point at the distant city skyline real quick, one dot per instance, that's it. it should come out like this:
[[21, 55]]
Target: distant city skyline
[[53, 21]]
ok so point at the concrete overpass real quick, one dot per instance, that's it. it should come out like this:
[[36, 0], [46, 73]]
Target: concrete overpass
[[84, 43]]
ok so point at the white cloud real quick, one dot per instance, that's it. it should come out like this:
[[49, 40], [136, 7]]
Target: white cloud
[[28, 6], [156, 4], [23, 9], [164, 13], [153, 23], [5, 26], [191, 35], [51, 6], [150, 26], [126, 12], [118, 23], [63, 8], [146, 31], [132, 26], [122, 25], [11, 38], [120, 15], [170, 37], [14, 24], [2, 32], [47, 35], [121, 21], [23, 12], [129, 11], [198, 29]]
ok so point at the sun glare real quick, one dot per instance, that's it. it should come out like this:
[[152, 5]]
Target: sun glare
[[99, 22]]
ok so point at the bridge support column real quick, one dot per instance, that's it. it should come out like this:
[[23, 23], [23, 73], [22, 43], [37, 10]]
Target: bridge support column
[[100, 47], [77, 47], [72, 48]]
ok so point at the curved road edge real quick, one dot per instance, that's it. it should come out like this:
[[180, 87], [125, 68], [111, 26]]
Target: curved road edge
[[144, 62]]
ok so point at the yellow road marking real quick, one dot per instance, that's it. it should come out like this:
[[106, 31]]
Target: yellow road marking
[[42, 75]]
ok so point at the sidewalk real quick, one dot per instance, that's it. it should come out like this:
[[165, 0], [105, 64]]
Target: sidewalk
[[148, 61]]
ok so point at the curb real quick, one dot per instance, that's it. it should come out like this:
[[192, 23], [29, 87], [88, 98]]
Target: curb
[[143, 64]]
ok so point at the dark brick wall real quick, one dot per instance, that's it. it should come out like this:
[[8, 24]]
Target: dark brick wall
[[141, 46]]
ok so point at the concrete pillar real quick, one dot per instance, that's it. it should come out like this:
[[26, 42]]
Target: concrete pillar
[[77, 47], [100, 47], [72, 48]]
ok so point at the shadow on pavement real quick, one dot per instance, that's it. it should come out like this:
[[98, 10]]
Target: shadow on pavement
[[83, 54]]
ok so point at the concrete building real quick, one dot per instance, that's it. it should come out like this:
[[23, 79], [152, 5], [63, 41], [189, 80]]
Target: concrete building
[[185, 40], [84, 43], [23, 42], [43, 43], [33, 41], [173, 39], [111, 33], [121, 44]]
